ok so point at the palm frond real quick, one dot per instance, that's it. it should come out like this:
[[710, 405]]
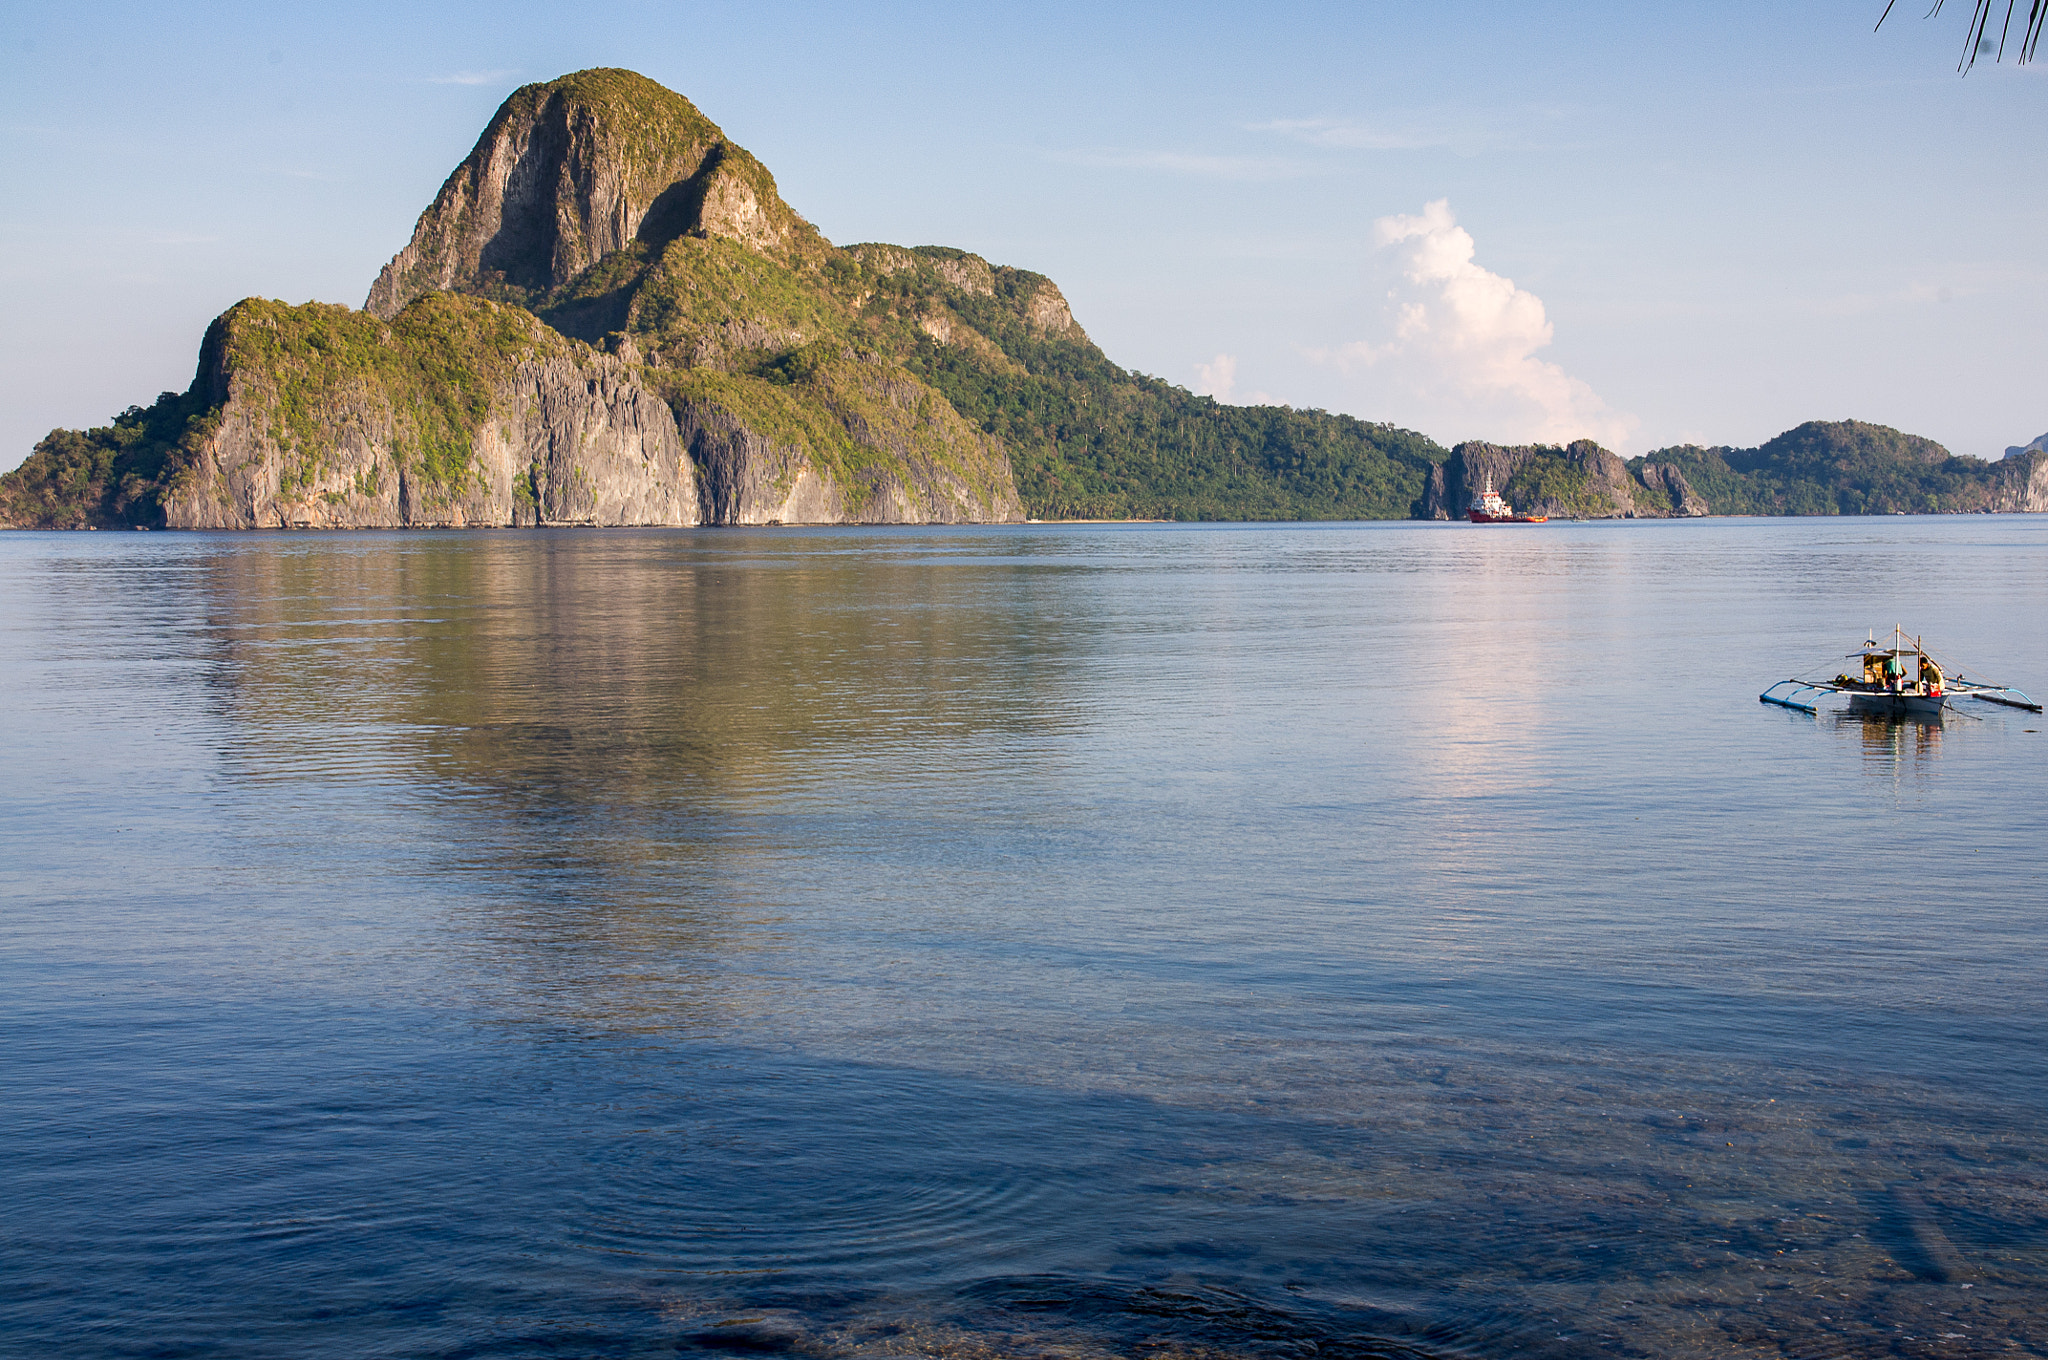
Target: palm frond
[[1980, 21]]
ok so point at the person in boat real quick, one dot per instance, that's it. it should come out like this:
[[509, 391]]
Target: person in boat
[[1894, 673], [1930, 676]]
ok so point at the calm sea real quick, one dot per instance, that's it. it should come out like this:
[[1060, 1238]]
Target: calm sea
[[1361, 940]]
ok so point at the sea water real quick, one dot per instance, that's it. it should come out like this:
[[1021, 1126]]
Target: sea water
[[1395, 939]]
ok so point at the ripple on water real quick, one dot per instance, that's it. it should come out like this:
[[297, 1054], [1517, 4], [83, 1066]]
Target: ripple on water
[[934, 1195]]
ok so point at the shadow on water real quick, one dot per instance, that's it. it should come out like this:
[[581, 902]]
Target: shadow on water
[[1902, 1224], [1193, 1316], [1056, 1315], [1025, 1316]]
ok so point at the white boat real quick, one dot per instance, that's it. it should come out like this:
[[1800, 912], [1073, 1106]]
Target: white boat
[[1488, 508], [1903, 680]]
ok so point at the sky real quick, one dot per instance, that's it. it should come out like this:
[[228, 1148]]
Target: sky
[[1508, 222]]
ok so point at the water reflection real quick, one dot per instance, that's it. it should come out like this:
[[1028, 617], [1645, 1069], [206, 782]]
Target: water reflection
[[607, 740], [1896, 747]]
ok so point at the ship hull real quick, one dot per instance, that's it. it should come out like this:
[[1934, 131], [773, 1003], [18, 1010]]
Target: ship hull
[[1481, 517], [1898, 705]]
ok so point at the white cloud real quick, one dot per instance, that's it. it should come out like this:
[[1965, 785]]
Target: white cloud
[[1465, 340], [1218, 377], [471, 78]]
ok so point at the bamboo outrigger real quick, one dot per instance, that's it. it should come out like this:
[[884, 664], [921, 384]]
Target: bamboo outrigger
[[1897, 681]]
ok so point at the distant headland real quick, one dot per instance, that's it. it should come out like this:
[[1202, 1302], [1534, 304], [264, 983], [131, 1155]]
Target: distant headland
[[609, 316]]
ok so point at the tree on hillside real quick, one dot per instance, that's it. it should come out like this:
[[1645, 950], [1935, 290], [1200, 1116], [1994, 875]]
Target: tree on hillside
[[1979, 42]]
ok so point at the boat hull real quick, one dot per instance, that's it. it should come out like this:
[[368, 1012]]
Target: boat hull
[[1481, 517], [1898, 705]]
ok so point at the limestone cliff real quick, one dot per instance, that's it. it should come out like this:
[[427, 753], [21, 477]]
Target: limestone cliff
[[2020, 484], [461, 412], [465, 412]]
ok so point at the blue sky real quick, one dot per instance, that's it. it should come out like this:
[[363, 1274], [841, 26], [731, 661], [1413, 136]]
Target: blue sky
[[1480, 221]]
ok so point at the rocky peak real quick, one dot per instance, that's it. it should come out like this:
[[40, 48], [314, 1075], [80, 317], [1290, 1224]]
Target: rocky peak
[[571, 170]]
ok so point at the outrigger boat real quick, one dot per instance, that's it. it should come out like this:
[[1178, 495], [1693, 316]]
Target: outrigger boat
[[1898, 681], [1488, 508]]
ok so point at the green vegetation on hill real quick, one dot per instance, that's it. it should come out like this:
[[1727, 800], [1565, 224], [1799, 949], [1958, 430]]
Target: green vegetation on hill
[[778, 346], [1706, 470], [1090, 440], [1114, 445], [1561, 487], [1846, 467], [112, 477], [699, 302]]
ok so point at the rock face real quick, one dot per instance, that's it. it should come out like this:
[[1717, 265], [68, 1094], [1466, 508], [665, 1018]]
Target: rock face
[[747, 478], [1667, 480], [595, 446]]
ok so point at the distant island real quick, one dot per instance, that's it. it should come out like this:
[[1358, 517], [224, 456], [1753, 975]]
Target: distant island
[[609, 316]]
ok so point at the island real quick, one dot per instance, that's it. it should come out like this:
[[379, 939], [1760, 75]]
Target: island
[[609, 316]]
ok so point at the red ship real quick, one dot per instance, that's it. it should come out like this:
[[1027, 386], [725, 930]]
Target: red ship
[[1489, 508]]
